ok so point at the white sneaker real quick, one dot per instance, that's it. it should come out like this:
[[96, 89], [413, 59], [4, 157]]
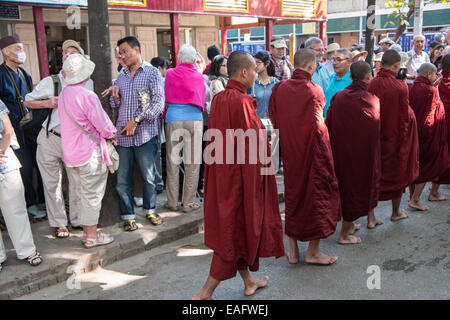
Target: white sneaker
[[35, 213], [139, 202]]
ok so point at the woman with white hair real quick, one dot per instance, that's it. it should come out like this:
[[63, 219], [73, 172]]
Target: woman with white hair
[[85, 126], [185, 99]]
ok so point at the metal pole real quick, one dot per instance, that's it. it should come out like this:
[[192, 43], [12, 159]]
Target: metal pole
[[418, 17], [361, 22]]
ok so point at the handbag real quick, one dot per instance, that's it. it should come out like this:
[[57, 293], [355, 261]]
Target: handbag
[[112, 152], [26, 114]]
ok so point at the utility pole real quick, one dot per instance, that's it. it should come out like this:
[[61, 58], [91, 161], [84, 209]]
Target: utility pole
[[100, 53], [370, 27], [418, 17]]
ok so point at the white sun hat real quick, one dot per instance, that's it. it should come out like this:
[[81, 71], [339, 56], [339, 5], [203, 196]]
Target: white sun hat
[[77, 69]]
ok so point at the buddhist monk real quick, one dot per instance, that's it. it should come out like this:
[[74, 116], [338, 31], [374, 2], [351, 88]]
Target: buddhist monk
[[444, 93], [242, 216], [430, 115], [399, 140], [353, 122], [313, 206]]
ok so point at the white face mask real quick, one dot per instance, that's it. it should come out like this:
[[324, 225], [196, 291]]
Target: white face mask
[[21, 57]]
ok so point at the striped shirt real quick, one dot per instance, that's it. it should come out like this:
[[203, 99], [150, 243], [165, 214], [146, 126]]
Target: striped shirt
[[142, 95]]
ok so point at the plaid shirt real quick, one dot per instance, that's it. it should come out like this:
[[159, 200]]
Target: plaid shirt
[[283, 69], [131, 104]]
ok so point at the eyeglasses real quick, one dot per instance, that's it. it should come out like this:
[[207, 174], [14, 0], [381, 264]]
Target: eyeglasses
[[339, 59], [318, 50]]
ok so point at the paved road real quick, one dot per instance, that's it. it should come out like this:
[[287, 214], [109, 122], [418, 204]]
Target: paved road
[[412, 256]]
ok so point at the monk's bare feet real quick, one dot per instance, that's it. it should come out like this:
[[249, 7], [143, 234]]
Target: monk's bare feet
[[417, 205], [402, 214], [201, 296], [349, 239], [437, 197], [292, 258], [355, 227], [255, 284], [371, 224], [320, 258]]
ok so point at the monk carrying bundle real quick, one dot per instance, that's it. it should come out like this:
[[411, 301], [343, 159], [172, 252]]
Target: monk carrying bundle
[[353, 122], [311, 188]]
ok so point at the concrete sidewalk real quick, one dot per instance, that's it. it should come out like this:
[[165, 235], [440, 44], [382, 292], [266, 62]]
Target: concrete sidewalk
[[62, 257]]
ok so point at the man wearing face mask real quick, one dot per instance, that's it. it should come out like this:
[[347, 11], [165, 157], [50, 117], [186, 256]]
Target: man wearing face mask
[[15, 83]]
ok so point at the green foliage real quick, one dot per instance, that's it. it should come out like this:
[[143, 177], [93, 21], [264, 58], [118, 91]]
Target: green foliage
[[399, 16]]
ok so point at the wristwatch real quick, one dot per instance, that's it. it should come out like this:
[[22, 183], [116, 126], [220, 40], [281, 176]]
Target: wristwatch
[[137, 120]]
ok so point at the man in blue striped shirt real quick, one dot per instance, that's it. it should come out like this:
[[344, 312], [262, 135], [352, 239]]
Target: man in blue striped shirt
[[138, 97]]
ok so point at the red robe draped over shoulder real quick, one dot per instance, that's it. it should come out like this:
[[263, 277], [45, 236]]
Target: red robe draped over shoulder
[[399, 138], [430, 116], [444, 93], [353, 121], [311, 188], [242, 215]]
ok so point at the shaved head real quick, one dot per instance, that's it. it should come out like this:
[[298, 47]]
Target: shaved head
[[390, 58], [237, 61], [359, 70], [426, 69], [446, 62], [303, 57]]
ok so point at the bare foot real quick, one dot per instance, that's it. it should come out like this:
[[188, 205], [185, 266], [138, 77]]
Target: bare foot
[[401, 215], [356, 227], [437, 197], [290, 259], [373, 223], [417, 205], [349, 240], [320, 258], [201, 297], [254, 285]]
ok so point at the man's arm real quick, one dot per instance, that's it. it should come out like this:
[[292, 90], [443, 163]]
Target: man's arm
[[42, 96], [157, 97]]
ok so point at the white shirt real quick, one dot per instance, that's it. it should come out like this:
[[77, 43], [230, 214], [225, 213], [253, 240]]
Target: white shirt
[[45, 90], [415, 62], [329, 65]]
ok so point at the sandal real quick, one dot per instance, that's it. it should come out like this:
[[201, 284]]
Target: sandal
[[62, 233], [191, 207], [130, 225], [101, 240], [32, 259], [170, 207], [155, 219], [1, 265]]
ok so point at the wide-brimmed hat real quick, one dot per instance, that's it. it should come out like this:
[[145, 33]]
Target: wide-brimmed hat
[[332, 47], [72, 43], [386, 40], [404, 60], [77, 69], [356, 53], [378, 57], [278, 43]]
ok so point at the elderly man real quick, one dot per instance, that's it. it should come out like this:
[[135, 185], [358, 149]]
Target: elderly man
[[242, 217], [418, 57], [321, 76], [340, 79], [49, 150], [283, 68], [329, 53], [138, 96], [385, 44], [440, 38], [430, 114], [311, 187], [15, 84]]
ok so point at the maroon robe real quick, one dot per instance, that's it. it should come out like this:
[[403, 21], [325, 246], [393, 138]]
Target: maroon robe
[[399, 138], [444, 93], [242, 215], [311, 188], [430, 116], [353, 121]]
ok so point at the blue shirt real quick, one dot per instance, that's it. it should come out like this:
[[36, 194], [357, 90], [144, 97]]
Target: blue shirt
[[262, 94], [335, 86], [9, 96], [183, 112], [321, 76]]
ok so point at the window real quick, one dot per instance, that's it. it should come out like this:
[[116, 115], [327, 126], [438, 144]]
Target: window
[[226, 5], [304, 8]]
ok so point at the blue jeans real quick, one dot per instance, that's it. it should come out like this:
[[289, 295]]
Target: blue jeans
[[145, 157]]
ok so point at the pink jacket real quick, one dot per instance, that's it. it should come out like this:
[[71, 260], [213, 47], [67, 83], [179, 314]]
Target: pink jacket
[[85, 108]]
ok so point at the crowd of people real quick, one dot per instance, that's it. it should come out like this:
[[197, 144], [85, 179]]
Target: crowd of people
[[350, 134]]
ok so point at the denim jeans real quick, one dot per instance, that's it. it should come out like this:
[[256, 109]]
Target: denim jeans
[[145, 158]]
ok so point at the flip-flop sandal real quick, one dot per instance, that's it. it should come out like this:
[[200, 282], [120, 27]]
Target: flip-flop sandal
[[58, 233], [130, 225], [191, 207], [32, 259], [155, 219], [166, 205]]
